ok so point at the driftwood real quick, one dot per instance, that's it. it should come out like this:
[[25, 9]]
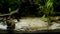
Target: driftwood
[[9, 14]]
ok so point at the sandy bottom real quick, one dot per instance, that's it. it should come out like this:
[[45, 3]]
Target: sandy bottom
[[32, 24]]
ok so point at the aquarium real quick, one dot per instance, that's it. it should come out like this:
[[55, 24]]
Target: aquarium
[[29, 16]]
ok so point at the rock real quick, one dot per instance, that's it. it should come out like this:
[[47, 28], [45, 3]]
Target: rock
[[31, 24], [54, 26], [3, 26]]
